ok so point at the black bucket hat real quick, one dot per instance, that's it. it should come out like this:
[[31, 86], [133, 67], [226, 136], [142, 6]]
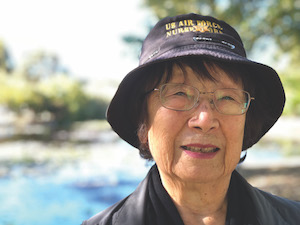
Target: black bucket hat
[[195, 35]]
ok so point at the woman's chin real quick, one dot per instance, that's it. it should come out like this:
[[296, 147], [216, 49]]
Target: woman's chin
[[198, 173]]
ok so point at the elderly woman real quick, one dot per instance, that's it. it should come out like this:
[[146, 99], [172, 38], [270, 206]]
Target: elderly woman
[[193, 105]]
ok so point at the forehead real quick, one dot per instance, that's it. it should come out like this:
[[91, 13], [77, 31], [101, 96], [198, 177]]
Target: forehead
[[206, 73]]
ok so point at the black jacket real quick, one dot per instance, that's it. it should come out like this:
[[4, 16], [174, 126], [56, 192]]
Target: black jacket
[[268, 209]]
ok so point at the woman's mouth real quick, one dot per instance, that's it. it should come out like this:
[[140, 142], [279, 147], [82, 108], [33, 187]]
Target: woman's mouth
[[201, 149]]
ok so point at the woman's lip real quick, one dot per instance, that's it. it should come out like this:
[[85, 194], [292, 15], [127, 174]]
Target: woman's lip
[[200, 155], [201, 145]]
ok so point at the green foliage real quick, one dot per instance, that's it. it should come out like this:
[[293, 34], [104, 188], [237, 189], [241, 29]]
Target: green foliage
[[61, 96], [40, 65], [291, 83], [41, 85], [17, 93], [5, 60]]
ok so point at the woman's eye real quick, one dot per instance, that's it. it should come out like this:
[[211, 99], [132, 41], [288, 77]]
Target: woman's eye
[[226, 98], [180, 93]]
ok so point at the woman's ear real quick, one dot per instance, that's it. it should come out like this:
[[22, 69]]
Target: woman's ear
[[143, 133], [144, 145]]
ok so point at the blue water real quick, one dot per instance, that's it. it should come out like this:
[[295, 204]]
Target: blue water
[[68, 192], [40, 200]]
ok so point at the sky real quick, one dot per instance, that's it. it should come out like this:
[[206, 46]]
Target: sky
[[85, 34]]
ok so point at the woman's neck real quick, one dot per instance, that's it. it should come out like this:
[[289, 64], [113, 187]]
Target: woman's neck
[[199, 203]]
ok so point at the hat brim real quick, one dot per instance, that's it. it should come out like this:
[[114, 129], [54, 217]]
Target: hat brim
[[119, 112]]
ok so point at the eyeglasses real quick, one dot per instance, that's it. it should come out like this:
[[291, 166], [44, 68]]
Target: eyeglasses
[[182, 97]]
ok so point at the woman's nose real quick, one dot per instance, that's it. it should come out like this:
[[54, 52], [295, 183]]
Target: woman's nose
[[204, 116]]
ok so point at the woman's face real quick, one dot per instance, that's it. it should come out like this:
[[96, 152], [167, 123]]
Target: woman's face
[[176, 137]]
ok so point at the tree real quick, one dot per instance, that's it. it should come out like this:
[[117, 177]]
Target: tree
[[5, 59], [54, 99], [41, 65]]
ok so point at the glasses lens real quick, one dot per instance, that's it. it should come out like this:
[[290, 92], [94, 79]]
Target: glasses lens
[[178, 96], [231, 101], [183, 97]]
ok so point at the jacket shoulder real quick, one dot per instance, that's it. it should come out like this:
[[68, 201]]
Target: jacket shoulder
[[271, 209], [286, 208], [105, 217], [129, 211]]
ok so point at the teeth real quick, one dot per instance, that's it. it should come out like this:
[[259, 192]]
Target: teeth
[[202, 150]]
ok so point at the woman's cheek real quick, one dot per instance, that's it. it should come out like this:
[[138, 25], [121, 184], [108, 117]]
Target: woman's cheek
[[234, 143], [161, 144]]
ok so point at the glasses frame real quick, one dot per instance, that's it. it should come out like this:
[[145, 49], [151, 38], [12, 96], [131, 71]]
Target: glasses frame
[[196, 103]]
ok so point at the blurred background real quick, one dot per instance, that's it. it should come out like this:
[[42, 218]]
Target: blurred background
[[60, 63]]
